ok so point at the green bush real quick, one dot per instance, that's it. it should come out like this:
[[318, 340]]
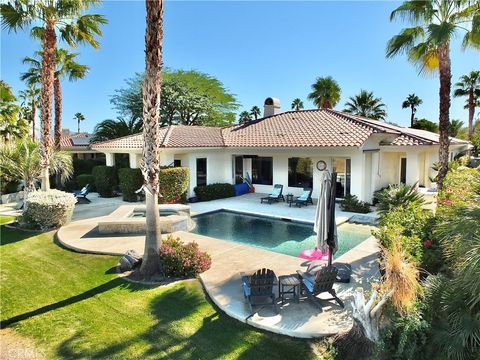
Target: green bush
[[174, 184], [8, 187], [105, 180], [130, 180], [397, 195], [182, 260], [214, 191], [48, 209], [352, 204], [85, 166], [84, 179]]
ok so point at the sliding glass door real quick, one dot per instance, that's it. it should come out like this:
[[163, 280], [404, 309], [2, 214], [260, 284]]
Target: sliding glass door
[[201, 171], [343, 168]]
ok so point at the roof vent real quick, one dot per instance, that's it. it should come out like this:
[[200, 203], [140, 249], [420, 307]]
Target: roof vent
[[271, 107]]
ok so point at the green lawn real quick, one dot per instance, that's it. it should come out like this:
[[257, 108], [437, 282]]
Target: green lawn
[[74, 306]]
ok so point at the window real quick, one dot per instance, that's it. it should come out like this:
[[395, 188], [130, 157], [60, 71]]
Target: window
[[403, 170], [262, 170], [201, 171], [238, 169], [300, 172], [177, 162]]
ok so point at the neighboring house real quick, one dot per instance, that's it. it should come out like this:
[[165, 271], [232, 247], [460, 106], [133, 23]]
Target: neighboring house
[[289, 148], [79, 145]]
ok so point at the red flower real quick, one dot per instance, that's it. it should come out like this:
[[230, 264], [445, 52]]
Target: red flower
[[427, 244]]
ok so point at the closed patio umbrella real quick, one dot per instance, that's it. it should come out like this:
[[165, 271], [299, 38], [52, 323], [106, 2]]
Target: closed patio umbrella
[[325, 225]]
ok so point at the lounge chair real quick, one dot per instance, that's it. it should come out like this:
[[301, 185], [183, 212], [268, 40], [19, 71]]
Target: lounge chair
[[260, 285], [275, 196], [304, 199], [319, 283], [82, 194]]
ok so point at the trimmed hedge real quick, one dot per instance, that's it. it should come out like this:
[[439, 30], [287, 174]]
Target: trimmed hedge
[[84, 179], [214, 191], [48, 209], [174, 184], [85, 166], [130, 180], [105, 180]]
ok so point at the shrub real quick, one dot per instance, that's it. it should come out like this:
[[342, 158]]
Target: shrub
[[398, 195], [84, 179], [130, 180], [351, 203], [182, 260], [105, 180], [85, 166], [8, 187], [174, 184], [48, 209], [214, 191]]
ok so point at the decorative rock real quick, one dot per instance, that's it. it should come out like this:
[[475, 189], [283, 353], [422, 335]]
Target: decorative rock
[[129, 261]]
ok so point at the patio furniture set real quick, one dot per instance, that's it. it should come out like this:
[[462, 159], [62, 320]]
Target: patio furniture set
[[259, 288], [277, 195]]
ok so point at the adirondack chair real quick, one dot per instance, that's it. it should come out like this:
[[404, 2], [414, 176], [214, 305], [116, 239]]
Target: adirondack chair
[[275, 196], [82, 194], [260, 285], [319, 283]]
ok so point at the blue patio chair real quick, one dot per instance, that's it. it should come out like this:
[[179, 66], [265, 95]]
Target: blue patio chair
[[304, 199], [322, 281], [82, 194], [275, 196]]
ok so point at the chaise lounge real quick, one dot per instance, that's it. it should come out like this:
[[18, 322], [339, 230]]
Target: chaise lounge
[[304, 199], [82, 194], [275, 196]]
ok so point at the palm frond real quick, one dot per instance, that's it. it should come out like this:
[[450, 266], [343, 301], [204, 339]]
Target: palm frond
[[403, 42]]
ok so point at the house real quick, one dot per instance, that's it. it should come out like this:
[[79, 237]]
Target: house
[[292, 148], [78, 145]]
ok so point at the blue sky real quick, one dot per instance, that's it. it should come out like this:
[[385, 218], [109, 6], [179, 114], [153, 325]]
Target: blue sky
[[257, 49]]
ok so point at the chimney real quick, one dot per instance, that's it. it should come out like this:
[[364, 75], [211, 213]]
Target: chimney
[[271, 107]]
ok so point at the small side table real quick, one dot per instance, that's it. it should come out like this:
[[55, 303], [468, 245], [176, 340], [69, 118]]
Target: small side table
[[289, 198], [289, 284]]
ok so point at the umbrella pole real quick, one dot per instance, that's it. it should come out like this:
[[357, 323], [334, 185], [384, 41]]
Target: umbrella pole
[[332, 224]]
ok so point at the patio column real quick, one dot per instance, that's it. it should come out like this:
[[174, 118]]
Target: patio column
[[134, 160], [109, 159], [413, 168]]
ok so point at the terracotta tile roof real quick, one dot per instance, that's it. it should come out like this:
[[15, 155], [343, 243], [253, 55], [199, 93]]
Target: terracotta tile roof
[[174, 136], [306, 128], [76, 140]]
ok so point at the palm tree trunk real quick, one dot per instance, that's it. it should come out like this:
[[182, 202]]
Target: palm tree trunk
[[151, 118], [412, 117], [48, 78], [471, 113], [34, 111], [444, 116], [57, 94]]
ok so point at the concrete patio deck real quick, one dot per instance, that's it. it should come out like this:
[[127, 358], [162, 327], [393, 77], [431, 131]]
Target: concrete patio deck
[[222, 282]]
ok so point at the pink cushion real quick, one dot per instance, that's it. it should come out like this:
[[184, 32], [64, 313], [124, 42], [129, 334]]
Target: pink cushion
[[314, 254]]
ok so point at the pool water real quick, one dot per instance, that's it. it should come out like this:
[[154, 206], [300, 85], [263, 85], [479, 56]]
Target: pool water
[[289, 238]]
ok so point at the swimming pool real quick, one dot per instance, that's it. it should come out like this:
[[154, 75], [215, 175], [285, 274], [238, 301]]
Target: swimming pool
[[285, 237]]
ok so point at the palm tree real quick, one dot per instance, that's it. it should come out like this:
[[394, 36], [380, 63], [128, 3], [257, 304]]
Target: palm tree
[[427, 44], [325, 93], [255, 112], [297, 104], [79, 117], [367, 105], [66, 18], [469, 85], [65, 66], [412, 101], [30, 97], [151, 128], [454, 127], [244, 117], [12, 123], [21, 160], [112, 129]]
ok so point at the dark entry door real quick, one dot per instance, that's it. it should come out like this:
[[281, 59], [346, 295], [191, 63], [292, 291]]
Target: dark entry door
[[403, 170], [201, 171]]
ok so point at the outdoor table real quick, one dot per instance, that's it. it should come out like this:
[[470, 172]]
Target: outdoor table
[[289, 284], [289, 198]]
